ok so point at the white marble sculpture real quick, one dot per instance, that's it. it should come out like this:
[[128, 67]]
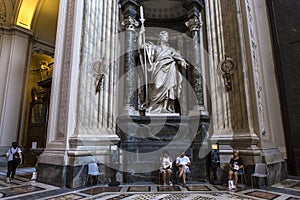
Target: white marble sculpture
[[164, 77]]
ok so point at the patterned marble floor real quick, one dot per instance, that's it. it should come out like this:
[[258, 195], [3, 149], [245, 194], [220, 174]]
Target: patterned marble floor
[[23, 188]]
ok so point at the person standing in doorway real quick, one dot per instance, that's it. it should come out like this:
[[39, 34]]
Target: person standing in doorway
[[14, 156]]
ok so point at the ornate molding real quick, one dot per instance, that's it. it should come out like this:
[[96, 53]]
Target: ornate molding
[[130, 23], [66, 70], [193, 7], [226, 67], [256, 66], [129, 7], [2, 11], [98, 70]]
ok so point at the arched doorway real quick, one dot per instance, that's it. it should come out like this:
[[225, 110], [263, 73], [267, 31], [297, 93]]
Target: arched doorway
[[41, 18], [37, 104]]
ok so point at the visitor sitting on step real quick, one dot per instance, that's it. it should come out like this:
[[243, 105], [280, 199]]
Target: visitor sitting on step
[[166, 167], [183, 162], [236, 166]]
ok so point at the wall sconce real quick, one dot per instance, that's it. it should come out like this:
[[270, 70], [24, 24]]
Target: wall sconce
[[34, 94], [98, 69], [226, 67]]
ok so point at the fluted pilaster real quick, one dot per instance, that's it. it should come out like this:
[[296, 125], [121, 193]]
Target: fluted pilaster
[[231, 110], [98, 56], [221, 113]]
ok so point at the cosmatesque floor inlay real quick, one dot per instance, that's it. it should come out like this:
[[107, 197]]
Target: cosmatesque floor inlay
[[67, 196], [139, 189], [263, 195], [23, 189], [13, 191]]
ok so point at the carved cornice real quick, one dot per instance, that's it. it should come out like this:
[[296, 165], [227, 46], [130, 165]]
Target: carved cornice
[[193, 7], [129, 8]]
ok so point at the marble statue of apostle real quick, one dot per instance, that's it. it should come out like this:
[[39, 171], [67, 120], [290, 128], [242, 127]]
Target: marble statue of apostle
[[164, 76]]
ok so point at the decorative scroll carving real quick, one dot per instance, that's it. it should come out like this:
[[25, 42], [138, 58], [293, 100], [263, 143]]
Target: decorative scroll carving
[[194, 24], [98, 68], [66, 71], [46, 70], [2, 11], [227, 67], [256, 66], [130, 23]]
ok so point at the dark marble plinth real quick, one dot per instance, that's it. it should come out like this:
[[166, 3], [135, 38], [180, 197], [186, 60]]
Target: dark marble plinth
[[62, 176], [102, 189], [143, 139]]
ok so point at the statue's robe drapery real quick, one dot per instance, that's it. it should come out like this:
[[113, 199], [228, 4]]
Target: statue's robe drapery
[[163, 75]]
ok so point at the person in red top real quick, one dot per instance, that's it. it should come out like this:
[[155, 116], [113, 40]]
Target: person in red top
[[236, 166]]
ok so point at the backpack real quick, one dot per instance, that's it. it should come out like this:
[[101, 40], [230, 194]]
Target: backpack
[[16, 157]]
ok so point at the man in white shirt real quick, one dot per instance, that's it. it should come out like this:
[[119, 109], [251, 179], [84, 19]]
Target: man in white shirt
[[183, 162]]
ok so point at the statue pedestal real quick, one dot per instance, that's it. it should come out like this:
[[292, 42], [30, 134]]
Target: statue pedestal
[[163, 114], [144, 138], [36, 152]]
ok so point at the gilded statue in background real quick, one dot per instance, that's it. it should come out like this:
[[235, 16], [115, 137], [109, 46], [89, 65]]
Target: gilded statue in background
[[46, 70]]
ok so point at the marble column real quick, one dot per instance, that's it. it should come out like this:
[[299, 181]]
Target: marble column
[[62, 112], [98, 57], [267, 122], [195, 76], [129, 11], [232, 119], [220, 111], [81, 123], [240, 117], [194, 25], [15, 46]]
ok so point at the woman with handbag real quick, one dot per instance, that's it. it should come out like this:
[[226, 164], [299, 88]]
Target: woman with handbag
[[14, 155]]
